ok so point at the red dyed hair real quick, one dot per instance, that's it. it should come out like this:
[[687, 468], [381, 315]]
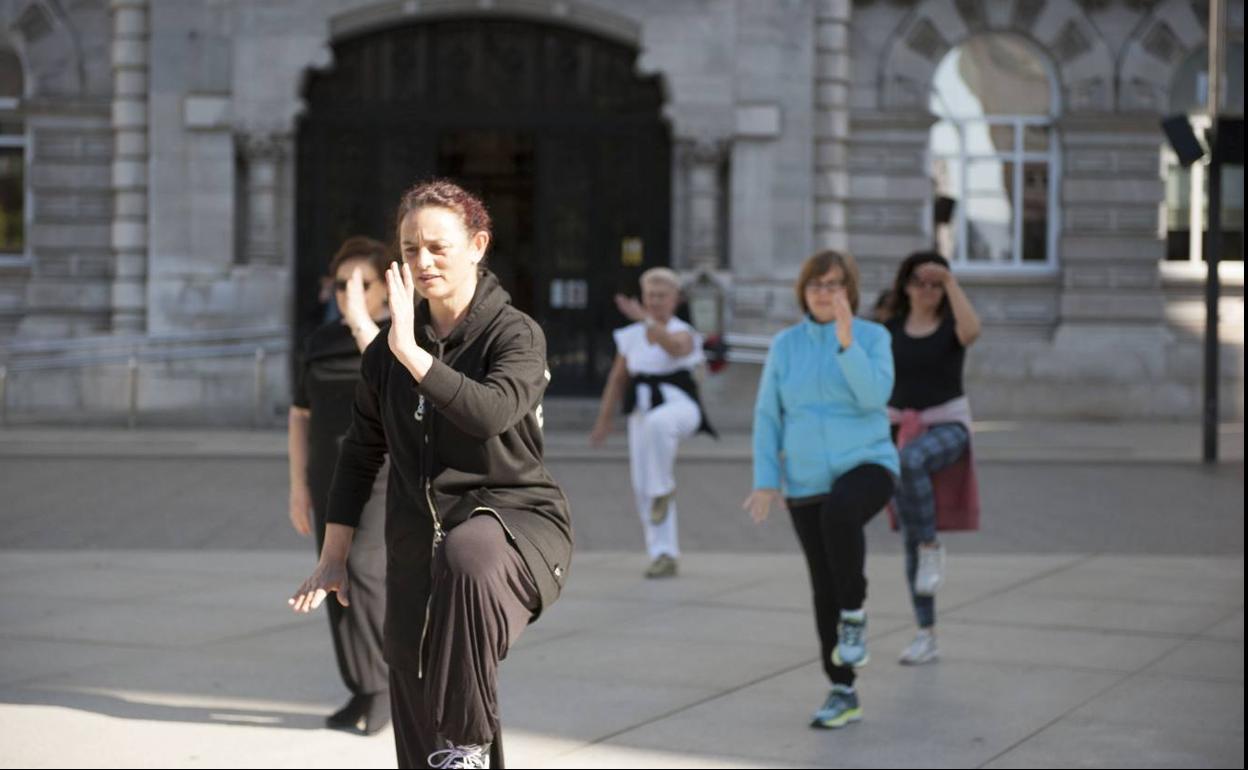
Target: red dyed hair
[[448, 195]]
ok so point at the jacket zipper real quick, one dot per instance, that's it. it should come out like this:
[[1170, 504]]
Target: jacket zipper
[[496, 515], [438, 535]]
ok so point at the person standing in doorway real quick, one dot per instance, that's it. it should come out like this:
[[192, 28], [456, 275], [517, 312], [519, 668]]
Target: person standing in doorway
[[654, 368], [932, 324], [478, 534], [319, 417], [821, 439]]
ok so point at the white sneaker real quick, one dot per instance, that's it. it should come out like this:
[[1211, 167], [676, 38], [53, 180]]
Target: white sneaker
[[470, 756], [921, 650], [931, 571]]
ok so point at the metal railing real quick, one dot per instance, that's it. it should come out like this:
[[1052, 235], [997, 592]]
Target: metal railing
[[258, 343], [81, 353], [104, 341], [747, 348]]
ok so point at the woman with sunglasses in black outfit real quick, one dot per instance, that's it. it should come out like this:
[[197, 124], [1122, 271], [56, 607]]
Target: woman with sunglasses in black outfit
[[320, 414], [932, 324]]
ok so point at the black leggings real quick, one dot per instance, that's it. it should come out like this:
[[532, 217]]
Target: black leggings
[[830, 531]]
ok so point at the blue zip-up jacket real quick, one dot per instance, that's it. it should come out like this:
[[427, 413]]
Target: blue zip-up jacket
[[822, 411]]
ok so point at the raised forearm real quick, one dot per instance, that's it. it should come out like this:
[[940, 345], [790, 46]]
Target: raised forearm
[[676, 345], [966, 320], [416, 360], [364, 332]]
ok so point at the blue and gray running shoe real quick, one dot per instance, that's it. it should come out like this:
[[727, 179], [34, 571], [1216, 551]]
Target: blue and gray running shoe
[[839, 709], [851, 646]]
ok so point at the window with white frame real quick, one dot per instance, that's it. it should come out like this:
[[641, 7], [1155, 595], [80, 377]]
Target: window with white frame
[[1184, 223], [993, 155]]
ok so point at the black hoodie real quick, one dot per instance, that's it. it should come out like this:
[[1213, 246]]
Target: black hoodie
[[466, 440]]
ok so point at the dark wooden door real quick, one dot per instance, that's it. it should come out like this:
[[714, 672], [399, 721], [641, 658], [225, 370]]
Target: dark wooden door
[[551, 126]]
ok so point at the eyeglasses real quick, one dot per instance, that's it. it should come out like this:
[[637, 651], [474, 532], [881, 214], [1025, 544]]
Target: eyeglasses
[[342, 285], [919, 283], [820, 286]]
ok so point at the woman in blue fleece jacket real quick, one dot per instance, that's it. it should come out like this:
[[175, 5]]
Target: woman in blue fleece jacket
[[821, 434]]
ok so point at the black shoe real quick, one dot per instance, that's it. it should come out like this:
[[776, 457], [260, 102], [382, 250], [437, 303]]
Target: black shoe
[[350, 716], [377, 716]]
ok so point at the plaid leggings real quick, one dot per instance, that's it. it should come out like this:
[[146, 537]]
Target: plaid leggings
[[939, 447]]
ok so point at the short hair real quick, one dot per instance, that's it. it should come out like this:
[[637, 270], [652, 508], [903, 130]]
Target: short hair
[[444, 193], [660, 275], [820, 264], [362, 247]]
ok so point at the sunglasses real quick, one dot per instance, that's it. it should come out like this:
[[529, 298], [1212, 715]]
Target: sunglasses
[[342, 285]]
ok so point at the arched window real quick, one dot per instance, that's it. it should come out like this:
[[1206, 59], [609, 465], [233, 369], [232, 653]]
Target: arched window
[[1185, 225], [993, 154], [12, 158]]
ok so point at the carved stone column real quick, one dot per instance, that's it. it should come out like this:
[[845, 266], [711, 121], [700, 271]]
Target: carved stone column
[[832, 85], [129, 239], [264, 156], [701, 162]]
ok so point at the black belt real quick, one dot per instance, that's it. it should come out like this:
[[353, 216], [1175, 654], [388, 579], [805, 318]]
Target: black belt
[[682, 379]]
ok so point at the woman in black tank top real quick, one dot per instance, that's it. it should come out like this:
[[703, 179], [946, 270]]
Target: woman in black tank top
[[932, 323]]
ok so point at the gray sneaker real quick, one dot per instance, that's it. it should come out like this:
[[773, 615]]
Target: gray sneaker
[[662, 567], [931, 571], [851, 645], [660, 506], [470, 756], [921, 650]]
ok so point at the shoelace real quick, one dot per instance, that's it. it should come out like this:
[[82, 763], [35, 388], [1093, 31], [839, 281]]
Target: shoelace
[[851, 632], [837, 701], [458, 756]]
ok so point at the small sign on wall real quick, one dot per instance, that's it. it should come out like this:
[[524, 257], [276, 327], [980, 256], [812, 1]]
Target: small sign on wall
[[631, 252], [569, 294]]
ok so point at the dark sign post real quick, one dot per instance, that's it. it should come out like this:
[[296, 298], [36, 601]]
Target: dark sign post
[[1213, 234], [1213, 290]]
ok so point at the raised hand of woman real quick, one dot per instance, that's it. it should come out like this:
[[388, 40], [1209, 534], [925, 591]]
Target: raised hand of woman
[[402, 298], [843, 314], [630, 308]]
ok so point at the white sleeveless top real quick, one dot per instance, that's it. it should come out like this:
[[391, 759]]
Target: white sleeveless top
[[644, 357]]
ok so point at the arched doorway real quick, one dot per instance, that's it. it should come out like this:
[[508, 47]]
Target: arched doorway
[[551, 125]]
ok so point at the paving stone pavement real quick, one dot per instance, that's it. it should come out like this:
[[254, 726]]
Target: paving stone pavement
[[1096, 621]]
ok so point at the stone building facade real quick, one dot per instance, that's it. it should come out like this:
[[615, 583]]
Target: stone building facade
[[162, 201]]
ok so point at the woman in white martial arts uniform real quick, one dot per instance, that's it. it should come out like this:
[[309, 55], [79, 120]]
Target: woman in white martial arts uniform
[[653, 371]]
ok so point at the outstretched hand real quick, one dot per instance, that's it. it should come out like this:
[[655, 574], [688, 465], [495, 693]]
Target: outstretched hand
[[759, 504], [328, 576]]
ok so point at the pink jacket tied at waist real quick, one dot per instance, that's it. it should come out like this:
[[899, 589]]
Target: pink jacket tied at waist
[[955, 487]]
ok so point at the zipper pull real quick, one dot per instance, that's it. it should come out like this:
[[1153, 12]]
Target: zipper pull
[[438, 533], [420, 409]]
